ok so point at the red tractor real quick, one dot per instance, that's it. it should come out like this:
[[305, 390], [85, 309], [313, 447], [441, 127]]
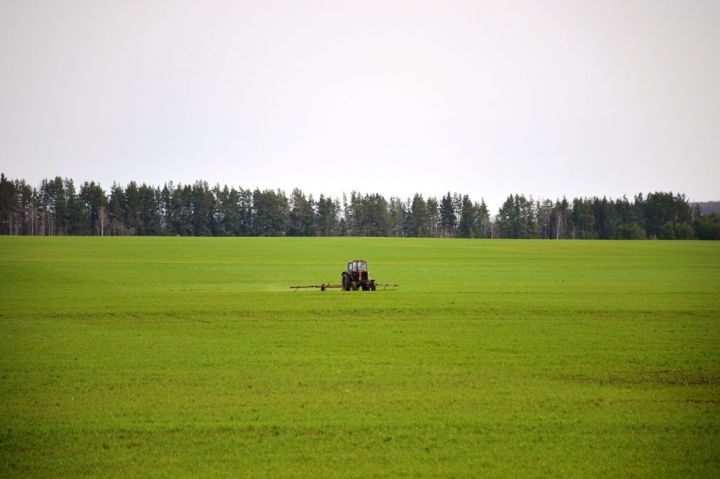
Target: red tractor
[[357, 276]]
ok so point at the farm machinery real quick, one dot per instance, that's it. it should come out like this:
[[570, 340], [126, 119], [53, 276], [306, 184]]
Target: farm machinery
[[355, 277]]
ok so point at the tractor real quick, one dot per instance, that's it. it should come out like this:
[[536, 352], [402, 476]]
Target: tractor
[[357, 277]]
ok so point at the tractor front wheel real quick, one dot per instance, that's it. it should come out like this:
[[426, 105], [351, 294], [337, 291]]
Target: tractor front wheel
[[354, 285]]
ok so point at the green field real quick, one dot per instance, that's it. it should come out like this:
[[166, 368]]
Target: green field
[[172, 357]]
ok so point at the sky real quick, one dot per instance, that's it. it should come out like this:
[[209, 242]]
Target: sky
[[485, 98]]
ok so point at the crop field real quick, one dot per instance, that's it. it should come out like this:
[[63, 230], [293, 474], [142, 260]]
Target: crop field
[[191, 357]]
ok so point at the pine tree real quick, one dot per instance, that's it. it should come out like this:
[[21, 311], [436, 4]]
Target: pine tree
[[448, 218], [327, 216], [433, 217], [302, 215], [95, 203], [482, 220], [8, 206], [467, 218], [418, 218]]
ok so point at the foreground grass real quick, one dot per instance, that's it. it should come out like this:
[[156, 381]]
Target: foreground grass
[[163, 357]]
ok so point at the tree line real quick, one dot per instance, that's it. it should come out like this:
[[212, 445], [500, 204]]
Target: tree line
[[59, 207]]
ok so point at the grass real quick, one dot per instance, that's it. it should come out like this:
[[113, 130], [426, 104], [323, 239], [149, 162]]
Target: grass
[[187, 357]]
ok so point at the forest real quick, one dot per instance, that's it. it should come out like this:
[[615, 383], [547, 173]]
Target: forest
[[59, 207]]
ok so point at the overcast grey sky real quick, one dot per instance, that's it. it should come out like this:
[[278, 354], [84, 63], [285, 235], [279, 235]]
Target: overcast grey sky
[[487, 98]]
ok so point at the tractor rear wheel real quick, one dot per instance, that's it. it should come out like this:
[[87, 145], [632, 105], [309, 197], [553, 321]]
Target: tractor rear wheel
[[372, 285], [346, 282]]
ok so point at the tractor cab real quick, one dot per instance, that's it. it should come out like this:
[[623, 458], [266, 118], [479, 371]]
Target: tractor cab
[[358, 269], [357, 276]]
